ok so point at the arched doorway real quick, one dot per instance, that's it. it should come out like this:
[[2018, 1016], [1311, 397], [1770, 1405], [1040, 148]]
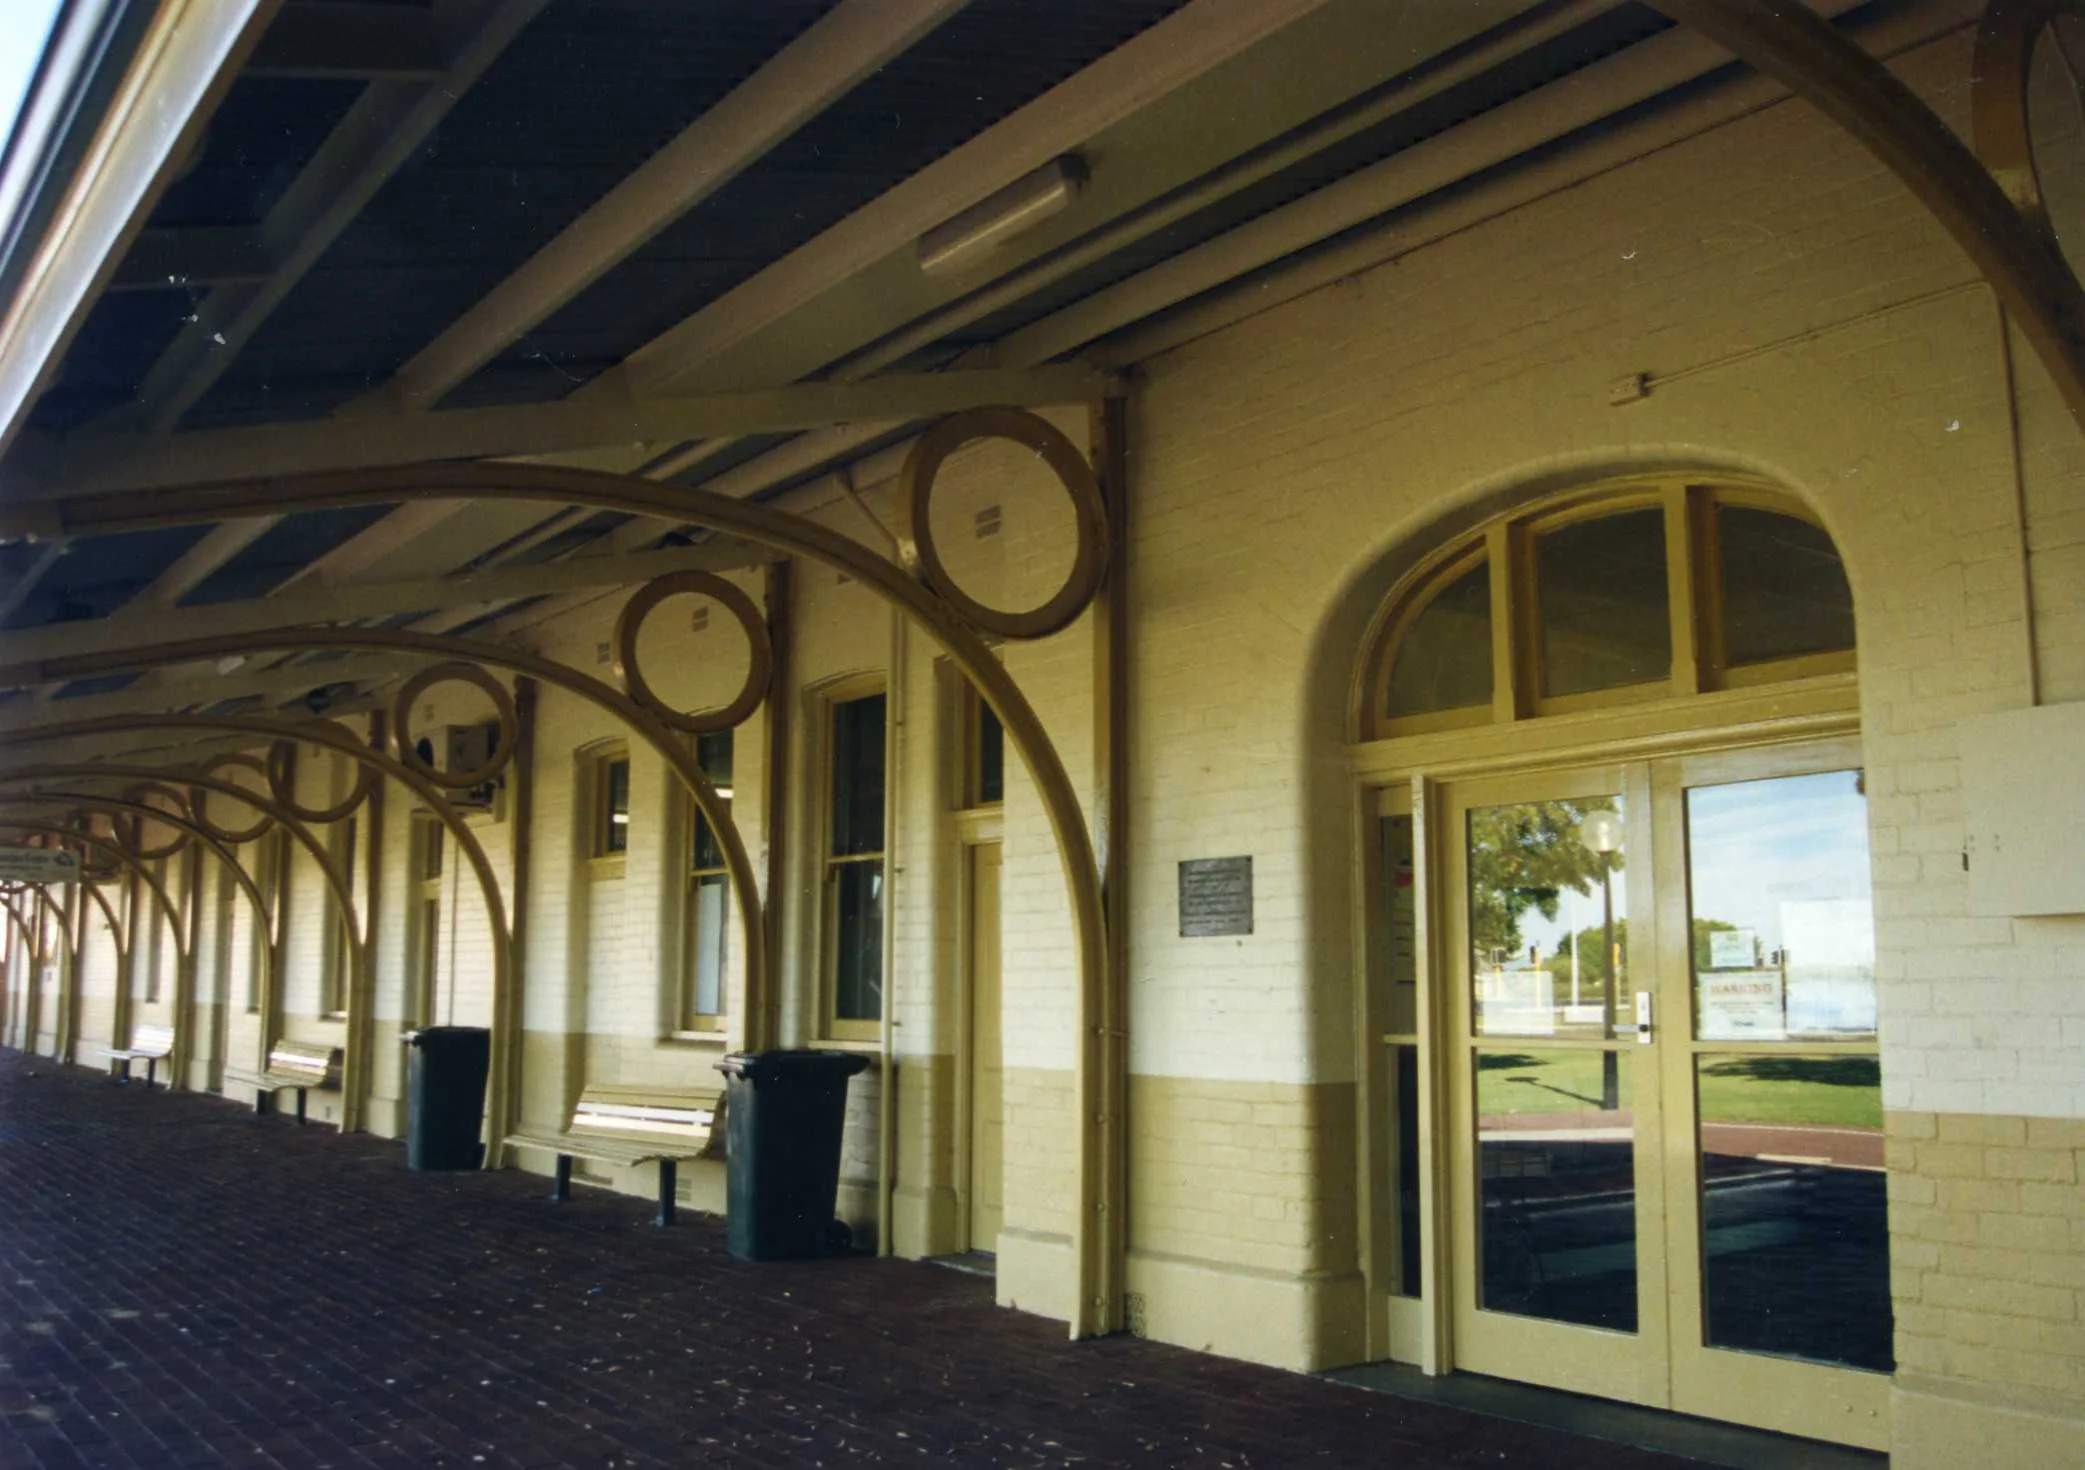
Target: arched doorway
[[1624, 1090]]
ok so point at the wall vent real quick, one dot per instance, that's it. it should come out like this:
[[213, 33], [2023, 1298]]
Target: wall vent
[[700, 619], [600, 653], [988, 522]]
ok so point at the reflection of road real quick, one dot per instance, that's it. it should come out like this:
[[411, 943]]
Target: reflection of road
[[1776, 1143], [1793, 1143]]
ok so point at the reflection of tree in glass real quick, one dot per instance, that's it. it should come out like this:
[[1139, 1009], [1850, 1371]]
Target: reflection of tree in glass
[[1523, 856], [1592, 963]]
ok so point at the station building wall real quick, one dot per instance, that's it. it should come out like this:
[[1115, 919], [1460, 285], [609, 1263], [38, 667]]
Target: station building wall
[[1800, 319]]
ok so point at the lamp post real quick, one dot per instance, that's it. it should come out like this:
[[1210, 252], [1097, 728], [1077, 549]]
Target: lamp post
[[1601, 832]]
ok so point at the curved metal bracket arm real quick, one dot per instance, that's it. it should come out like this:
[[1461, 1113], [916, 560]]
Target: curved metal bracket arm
[[1807, 54]]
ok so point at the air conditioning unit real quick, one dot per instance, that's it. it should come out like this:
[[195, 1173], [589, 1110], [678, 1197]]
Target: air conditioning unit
[[455, 748]]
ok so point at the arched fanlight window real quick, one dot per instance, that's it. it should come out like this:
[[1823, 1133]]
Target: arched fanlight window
[[1631, 594]]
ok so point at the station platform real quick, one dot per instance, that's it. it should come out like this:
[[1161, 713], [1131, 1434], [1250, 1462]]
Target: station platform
[[185, 1284]]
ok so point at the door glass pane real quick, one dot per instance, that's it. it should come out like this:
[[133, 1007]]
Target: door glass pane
[[1400, 927], [1783, 925], [1784, 588], [1795, 1231], [1404, 1070], [1444, 659], [1548, 918], [1556, 1156], [1604, 603]]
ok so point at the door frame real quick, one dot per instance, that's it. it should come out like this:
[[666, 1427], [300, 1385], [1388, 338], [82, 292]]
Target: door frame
[[1418, 768], [974, 828]]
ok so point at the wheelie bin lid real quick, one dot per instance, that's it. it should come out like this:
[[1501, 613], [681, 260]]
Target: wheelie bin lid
[[421, 1036], [760, 1067]]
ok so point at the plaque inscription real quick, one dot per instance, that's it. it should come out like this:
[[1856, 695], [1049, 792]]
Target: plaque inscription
[[1215, 897]]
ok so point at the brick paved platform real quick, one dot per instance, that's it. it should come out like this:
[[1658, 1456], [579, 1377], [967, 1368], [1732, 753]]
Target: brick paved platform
[[182, 1283]]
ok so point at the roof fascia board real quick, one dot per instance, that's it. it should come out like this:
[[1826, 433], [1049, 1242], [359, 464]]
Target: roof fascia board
[[799, 82], [183, 64]]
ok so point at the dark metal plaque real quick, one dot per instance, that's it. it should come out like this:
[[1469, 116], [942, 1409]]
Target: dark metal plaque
[[1215, 897]]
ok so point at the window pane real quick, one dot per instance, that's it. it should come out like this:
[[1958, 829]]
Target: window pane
[[432, 833], [1444, 659], [1405, 1078], [713, 755], [1400, 927], [711, 930], [858, 776], [1795, 1227], [1605, 607], [615, 827], [1558, 1178], [1783, 917], [858, 941], [1548, 918], [991, 756], [1784, 588]]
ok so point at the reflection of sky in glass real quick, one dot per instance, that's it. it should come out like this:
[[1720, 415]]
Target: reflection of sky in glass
[[1789, 854], [24, 24]]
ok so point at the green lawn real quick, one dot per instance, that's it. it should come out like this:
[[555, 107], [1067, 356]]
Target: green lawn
[[1835, 1092]]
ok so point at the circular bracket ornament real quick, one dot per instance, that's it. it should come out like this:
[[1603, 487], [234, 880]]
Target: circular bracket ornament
[[915, 518], [504, 741], [199, 801], [283, 788], [760, 650]]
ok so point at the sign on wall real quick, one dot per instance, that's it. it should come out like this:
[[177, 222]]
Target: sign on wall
[[1215, 897], [38, 865]]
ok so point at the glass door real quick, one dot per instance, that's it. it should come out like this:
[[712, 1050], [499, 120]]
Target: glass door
[[1663, 1145], [1554, 1109], [1779, 1236]]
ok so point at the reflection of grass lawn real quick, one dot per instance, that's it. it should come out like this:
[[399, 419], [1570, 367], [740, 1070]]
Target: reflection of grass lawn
[[1821, 1092], [1818, 1092]]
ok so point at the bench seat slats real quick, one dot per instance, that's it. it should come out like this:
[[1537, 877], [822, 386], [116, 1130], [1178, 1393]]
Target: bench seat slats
[[628, 1127]]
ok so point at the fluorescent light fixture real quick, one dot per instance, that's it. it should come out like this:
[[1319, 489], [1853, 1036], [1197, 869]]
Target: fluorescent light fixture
[[986, 225]]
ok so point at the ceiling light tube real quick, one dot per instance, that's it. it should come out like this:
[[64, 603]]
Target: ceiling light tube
[[1025, 203]]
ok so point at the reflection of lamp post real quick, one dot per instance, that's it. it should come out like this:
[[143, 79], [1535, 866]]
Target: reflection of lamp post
[[1601, 832]]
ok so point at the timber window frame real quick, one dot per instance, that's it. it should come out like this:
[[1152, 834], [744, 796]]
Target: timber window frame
[[853, 855], [1509, 548], [702, 999], [608, 810]]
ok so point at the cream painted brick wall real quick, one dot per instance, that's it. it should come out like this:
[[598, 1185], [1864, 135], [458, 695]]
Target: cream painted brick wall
[[1277, 462]]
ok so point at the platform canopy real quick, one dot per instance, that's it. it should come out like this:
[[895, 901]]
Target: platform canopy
[[734, 245]]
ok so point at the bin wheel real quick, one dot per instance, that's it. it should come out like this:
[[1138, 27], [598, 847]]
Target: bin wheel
[[839, 1238]]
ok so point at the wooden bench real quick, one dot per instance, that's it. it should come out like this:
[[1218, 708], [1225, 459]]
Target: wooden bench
[[149, 1044], [630, 1126], [301, 1065]]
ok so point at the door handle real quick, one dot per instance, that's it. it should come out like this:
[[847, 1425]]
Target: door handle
[[1643, 1018]]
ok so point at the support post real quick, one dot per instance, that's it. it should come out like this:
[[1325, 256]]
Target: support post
[[185, 957], [1108, 426], [763, 1011], [508, 1030], [358, 1064]]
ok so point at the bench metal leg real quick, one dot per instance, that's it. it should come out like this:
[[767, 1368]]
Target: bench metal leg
[[669, 1190], [300, 1107], [151, 1072], [561, 1181], [260, 1102], [119, 1071]]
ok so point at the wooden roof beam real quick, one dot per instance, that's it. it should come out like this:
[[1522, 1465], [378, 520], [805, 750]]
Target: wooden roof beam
[[191, 255], [384, 127], [1186, 45], [798, 83], [87, 464], [182, 67]]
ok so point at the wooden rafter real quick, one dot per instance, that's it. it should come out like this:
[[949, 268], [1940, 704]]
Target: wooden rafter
[[387, 123], [798, 83], [132, 462]]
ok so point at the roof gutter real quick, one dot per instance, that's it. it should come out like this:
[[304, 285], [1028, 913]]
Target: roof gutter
[[120, 95]]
